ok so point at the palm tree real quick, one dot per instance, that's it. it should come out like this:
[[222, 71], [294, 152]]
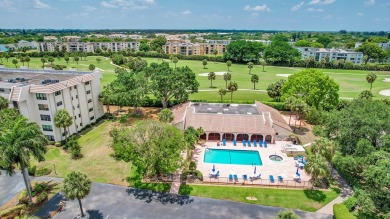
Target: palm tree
[[166, 116], [7, 56], [204, 63], [317, 167], [175, 60], [43, 60], [18, 141], [15, 62], [3, 103], [98, 59], [222, 92], [371, 77], [51, 60], [250, 66], [76, 59], [254, 80], [106, 97], [211, 77], [76, 185], [227, 77], [22, 60], [66, 58], [366, 95], [301, 108], [263, 63], [228, 64], [27, 59], [215, 52], [63, 120], [233, 86], [289, 104], [325, 148]]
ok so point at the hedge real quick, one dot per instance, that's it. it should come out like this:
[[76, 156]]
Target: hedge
[[340, 211], [42, 171], [13, 211]]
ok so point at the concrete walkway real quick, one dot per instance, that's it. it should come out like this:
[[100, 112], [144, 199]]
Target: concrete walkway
[[346, 191], [10, 186]]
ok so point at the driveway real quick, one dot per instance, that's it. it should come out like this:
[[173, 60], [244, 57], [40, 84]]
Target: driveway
[[112, 202], [10, 186]]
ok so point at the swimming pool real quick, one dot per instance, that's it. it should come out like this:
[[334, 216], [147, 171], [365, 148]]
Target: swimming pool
[[240, 157]]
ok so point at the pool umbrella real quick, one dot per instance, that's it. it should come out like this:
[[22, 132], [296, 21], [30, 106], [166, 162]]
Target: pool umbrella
[[213, 168], [254, 171], [297, 171]]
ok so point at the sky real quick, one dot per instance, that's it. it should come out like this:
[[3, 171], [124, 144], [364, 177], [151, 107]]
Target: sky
[[315, 15]]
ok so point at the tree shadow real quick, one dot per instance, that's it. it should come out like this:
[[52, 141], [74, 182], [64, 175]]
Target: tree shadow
[[165, 198], [95, 214], [315, 195]]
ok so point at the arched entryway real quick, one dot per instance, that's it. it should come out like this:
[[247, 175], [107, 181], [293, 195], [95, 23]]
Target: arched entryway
[[241, 137], [258, 138], [214, 137], [228, 136], [268, 139]]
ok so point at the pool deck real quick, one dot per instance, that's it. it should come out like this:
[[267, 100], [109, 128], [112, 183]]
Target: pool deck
[[285, 168]]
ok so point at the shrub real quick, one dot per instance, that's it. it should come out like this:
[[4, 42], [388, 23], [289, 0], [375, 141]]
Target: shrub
[[318, 131], [57, 144], [31, 170], [184, 174], [350, 203], [22, 197], [192, 165], [42, 171], [14, 211], [42, 197], [198, 174], [39, 187], [123, 119], [340, 211]]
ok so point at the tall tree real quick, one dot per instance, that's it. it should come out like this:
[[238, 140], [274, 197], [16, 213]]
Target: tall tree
[[250, 66], [371, 50], [98, 59], [371, 77], [50, 59], [15, 62], [106, 96], [66, 58], [232, 87], [222, 92], [325, 148], [289, 103], [166, 116], [263, 63], [215, 52], [227, 77], [168, 83], [43, 60], [22, 60], [229, 64], [211, 76], [175, 60], [76, 59], [254, 80], [27, 59], [242, 51], [91, 67], [280, 53], [62, 119], [19, 140], [204, 63], [316, 167], [274, 90], [76, 185], [7, 56]]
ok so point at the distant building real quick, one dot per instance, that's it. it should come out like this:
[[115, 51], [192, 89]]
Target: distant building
[[87, 47], [382, 45], [116, 35], [71, 38], [50, 38], [95, 35], [39, 94], [193, 48], [334, 54]]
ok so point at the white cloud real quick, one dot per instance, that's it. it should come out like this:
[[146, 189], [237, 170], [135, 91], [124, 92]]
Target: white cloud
[[369, 2], [257, 8], [40, 5], [327, 17], [321, 2], [315, 9], [297, 7], [359, 14], [88, 8], [128, 4], [188, 12], [254, 14]]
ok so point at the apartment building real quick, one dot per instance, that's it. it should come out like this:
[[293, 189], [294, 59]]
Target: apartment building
[[88, 47], [50, 38], [116, 35], [71, 38], [193, 48], [382, 45], [39, 94], [334, 54]]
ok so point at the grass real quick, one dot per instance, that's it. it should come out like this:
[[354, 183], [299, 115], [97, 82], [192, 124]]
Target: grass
[[307, 200], [352, 82], [135, 181], [96, 163]]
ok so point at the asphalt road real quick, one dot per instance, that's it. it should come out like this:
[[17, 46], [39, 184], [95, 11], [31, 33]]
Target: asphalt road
[[115, 202], [10, 186]]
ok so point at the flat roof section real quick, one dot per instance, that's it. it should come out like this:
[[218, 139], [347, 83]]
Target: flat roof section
[[224, 108]]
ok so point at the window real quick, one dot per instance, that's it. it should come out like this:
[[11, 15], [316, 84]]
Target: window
[[47, 128], [57, 93], [90, 100], [45, 118], [75, 117], [90, 109], [79, 115], [81, 124], [78, 105], [86, 83], [92, 118], [44, 107], [74, 108], [75, 87], [50, 137], [41, 96], [3, 90], [88, 91], [59, 103], [77, 96]]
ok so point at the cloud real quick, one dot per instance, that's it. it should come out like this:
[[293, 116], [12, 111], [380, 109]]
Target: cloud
[[297, 7], [128, 4], [327, 17], [188, 12], [321, 2], [88, 8], [257, 8], [359, 14], [315, 9], [254, 14], [369, 2], [40, 5]]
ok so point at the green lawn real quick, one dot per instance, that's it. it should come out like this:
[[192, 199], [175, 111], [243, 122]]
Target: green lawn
[[307, 200], [97, 162], [351, 82]]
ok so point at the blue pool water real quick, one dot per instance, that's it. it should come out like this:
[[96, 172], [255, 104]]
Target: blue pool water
[[240, 157]]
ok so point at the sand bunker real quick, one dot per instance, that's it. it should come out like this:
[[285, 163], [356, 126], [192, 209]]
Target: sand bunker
[[283, 75], [385, 93], [386, 80], [216, 73]]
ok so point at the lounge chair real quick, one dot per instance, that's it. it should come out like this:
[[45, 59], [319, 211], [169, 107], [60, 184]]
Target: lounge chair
[[224, 142], [245, 177], [254, 143], [234, 142], [214, 175], [249, 143], [255, 177], [260, 143], [271, 178], [235, 177], [244, 143], [265, 144], [230, 177], [280, 178]]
